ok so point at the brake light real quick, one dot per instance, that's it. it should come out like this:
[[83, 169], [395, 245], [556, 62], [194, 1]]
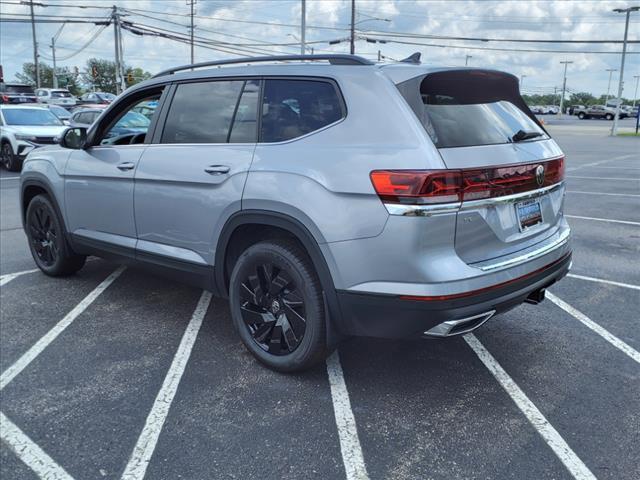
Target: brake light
[[5, 98], [446, 186]]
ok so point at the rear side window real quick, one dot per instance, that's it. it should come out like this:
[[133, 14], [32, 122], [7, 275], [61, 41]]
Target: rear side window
[[292, 108], [204, 112], [462, 108]]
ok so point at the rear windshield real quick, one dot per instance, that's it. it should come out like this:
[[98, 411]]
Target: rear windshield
[[60, 94], [17, 89], [460, 109]]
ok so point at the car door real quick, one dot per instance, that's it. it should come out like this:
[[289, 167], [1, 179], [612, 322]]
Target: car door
[[99, 181], [190, 180]]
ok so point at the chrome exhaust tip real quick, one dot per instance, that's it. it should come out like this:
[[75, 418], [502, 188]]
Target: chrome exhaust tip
[[458, 327]]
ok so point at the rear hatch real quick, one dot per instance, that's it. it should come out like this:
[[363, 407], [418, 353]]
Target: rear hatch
[[510, 169]]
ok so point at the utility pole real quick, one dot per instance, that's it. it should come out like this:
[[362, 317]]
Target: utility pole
[[635, 95], [53, 54], [564, 85], [614, 127], [192, 4], [466, 59], [522, 77], [379, 55], [303, 27], [117, 34], [35, 45], [353, 27], [610, 70]]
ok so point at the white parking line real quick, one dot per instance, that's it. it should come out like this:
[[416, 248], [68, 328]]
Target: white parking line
[[347, 431], [602, 280], [31, 354], [550, 435], [605, 178], [593, 164], [581, 317], [30, 453], [7, 277], [621, 168], [146, 444], [603, 193], [623, 222]]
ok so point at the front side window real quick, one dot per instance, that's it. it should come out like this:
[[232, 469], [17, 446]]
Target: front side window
[[292, 108], [129, 127], [204, 112]]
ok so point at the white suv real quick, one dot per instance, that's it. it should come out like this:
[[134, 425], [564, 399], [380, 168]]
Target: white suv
[[56, 96], [24, 128]]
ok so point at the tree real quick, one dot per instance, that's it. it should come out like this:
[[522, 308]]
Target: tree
[[136, 75], [67, 78], [100, 75], [582, 98]]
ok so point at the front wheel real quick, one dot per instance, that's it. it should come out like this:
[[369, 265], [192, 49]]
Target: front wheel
[[277, 306], [608, 116], [581, 116], [47, 241], [9, 159]]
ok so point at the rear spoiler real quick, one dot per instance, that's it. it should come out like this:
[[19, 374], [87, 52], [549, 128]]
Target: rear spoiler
[[468, 86]]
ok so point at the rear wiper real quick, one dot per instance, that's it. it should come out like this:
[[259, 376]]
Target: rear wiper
[[522, 135]]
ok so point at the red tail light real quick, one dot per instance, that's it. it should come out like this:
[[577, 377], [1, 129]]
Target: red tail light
[[5, 98], [445, 186]]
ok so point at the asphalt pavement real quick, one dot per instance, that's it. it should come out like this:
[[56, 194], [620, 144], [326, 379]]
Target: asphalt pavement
[[126, 375]]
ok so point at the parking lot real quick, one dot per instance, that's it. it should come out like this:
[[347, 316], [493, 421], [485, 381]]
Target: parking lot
[[114, 373]]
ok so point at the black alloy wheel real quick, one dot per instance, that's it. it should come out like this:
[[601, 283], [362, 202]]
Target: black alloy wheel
[[44, 235], [47, 239], [277, 305], [272, 309], [7, 156]]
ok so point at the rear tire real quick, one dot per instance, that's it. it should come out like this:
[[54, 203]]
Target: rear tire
[[47, 239], [608, 116], [9, 159], [581, 116], [277, 306]]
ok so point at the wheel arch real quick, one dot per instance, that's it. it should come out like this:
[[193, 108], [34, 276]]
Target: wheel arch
[[35, 186], [295, 229]]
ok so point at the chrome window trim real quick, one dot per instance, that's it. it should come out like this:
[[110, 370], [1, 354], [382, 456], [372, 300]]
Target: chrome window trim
[[557, 243], [438, 209]]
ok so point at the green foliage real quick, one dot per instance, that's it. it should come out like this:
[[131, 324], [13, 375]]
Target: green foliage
[[541, 99], [100, 75], [67, 78]]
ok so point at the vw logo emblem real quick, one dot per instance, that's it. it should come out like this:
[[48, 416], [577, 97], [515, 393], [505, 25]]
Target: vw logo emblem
[[540, 175]]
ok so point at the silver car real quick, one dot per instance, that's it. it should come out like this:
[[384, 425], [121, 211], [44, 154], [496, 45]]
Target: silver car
[[325, 197]]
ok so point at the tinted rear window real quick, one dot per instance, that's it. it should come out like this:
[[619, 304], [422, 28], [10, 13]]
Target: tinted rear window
[[292, 108], [60, 94], [462, 109], [17, 89]]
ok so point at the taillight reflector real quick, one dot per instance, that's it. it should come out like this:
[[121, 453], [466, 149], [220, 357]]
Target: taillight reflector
[[446, 186]]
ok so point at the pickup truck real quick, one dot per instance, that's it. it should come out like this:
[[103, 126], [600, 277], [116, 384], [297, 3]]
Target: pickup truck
[[596, 111]]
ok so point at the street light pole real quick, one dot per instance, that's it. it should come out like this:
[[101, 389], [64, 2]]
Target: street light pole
[[614, 128], [35, 46], [610, 70], [635, 95], [352, 48], [466, 59], [564, 85], [522, 77], [303, 24]]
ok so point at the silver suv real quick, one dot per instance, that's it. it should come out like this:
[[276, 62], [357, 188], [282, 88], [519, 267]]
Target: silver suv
[[325, 196]]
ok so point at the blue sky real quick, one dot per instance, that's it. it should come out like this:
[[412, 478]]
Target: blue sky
[[329, 19]]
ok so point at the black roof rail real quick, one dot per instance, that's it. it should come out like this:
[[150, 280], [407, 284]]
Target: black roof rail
[[334, 59]]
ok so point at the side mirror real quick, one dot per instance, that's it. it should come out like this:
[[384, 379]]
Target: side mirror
[[74, 138]]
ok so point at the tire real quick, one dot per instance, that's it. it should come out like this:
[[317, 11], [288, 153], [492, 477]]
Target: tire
[[47, 239], [9, 159], [277, 306], [608, 116]]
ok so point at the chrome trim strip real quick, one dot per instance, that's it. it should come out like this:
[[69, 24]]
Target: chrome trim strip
[[438, 209], [561, 240], [516, 197], [421, 210], [443, 329]]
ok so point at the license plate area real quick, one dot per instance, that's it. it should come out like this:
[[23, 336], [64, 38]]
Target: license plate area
[[529, 214]]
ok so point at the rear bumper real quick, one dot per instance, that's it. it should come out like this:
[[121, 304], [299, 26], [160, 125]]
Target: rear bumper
[[396, 316]]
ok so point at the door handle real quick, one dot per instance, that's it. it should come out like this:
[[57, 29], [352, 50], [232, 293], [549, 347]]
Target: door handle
[[216, 169], [126, 166]]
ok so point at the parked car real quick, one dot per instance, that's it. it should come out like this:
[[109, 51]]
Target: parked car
[[56, 96], [60, 112], [24, 128], [597, 111], [319, 213], [131, 123], [538, 110], [16, 93], [99, 98], [552, 109]]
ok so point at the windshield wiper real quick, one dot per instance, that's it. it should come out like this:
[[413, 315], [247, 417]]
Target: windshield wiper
[[522, 135]]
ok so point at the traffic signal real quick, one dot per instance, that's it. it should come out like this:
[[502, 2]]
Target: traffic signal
[[94, 71], [130, 77]]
